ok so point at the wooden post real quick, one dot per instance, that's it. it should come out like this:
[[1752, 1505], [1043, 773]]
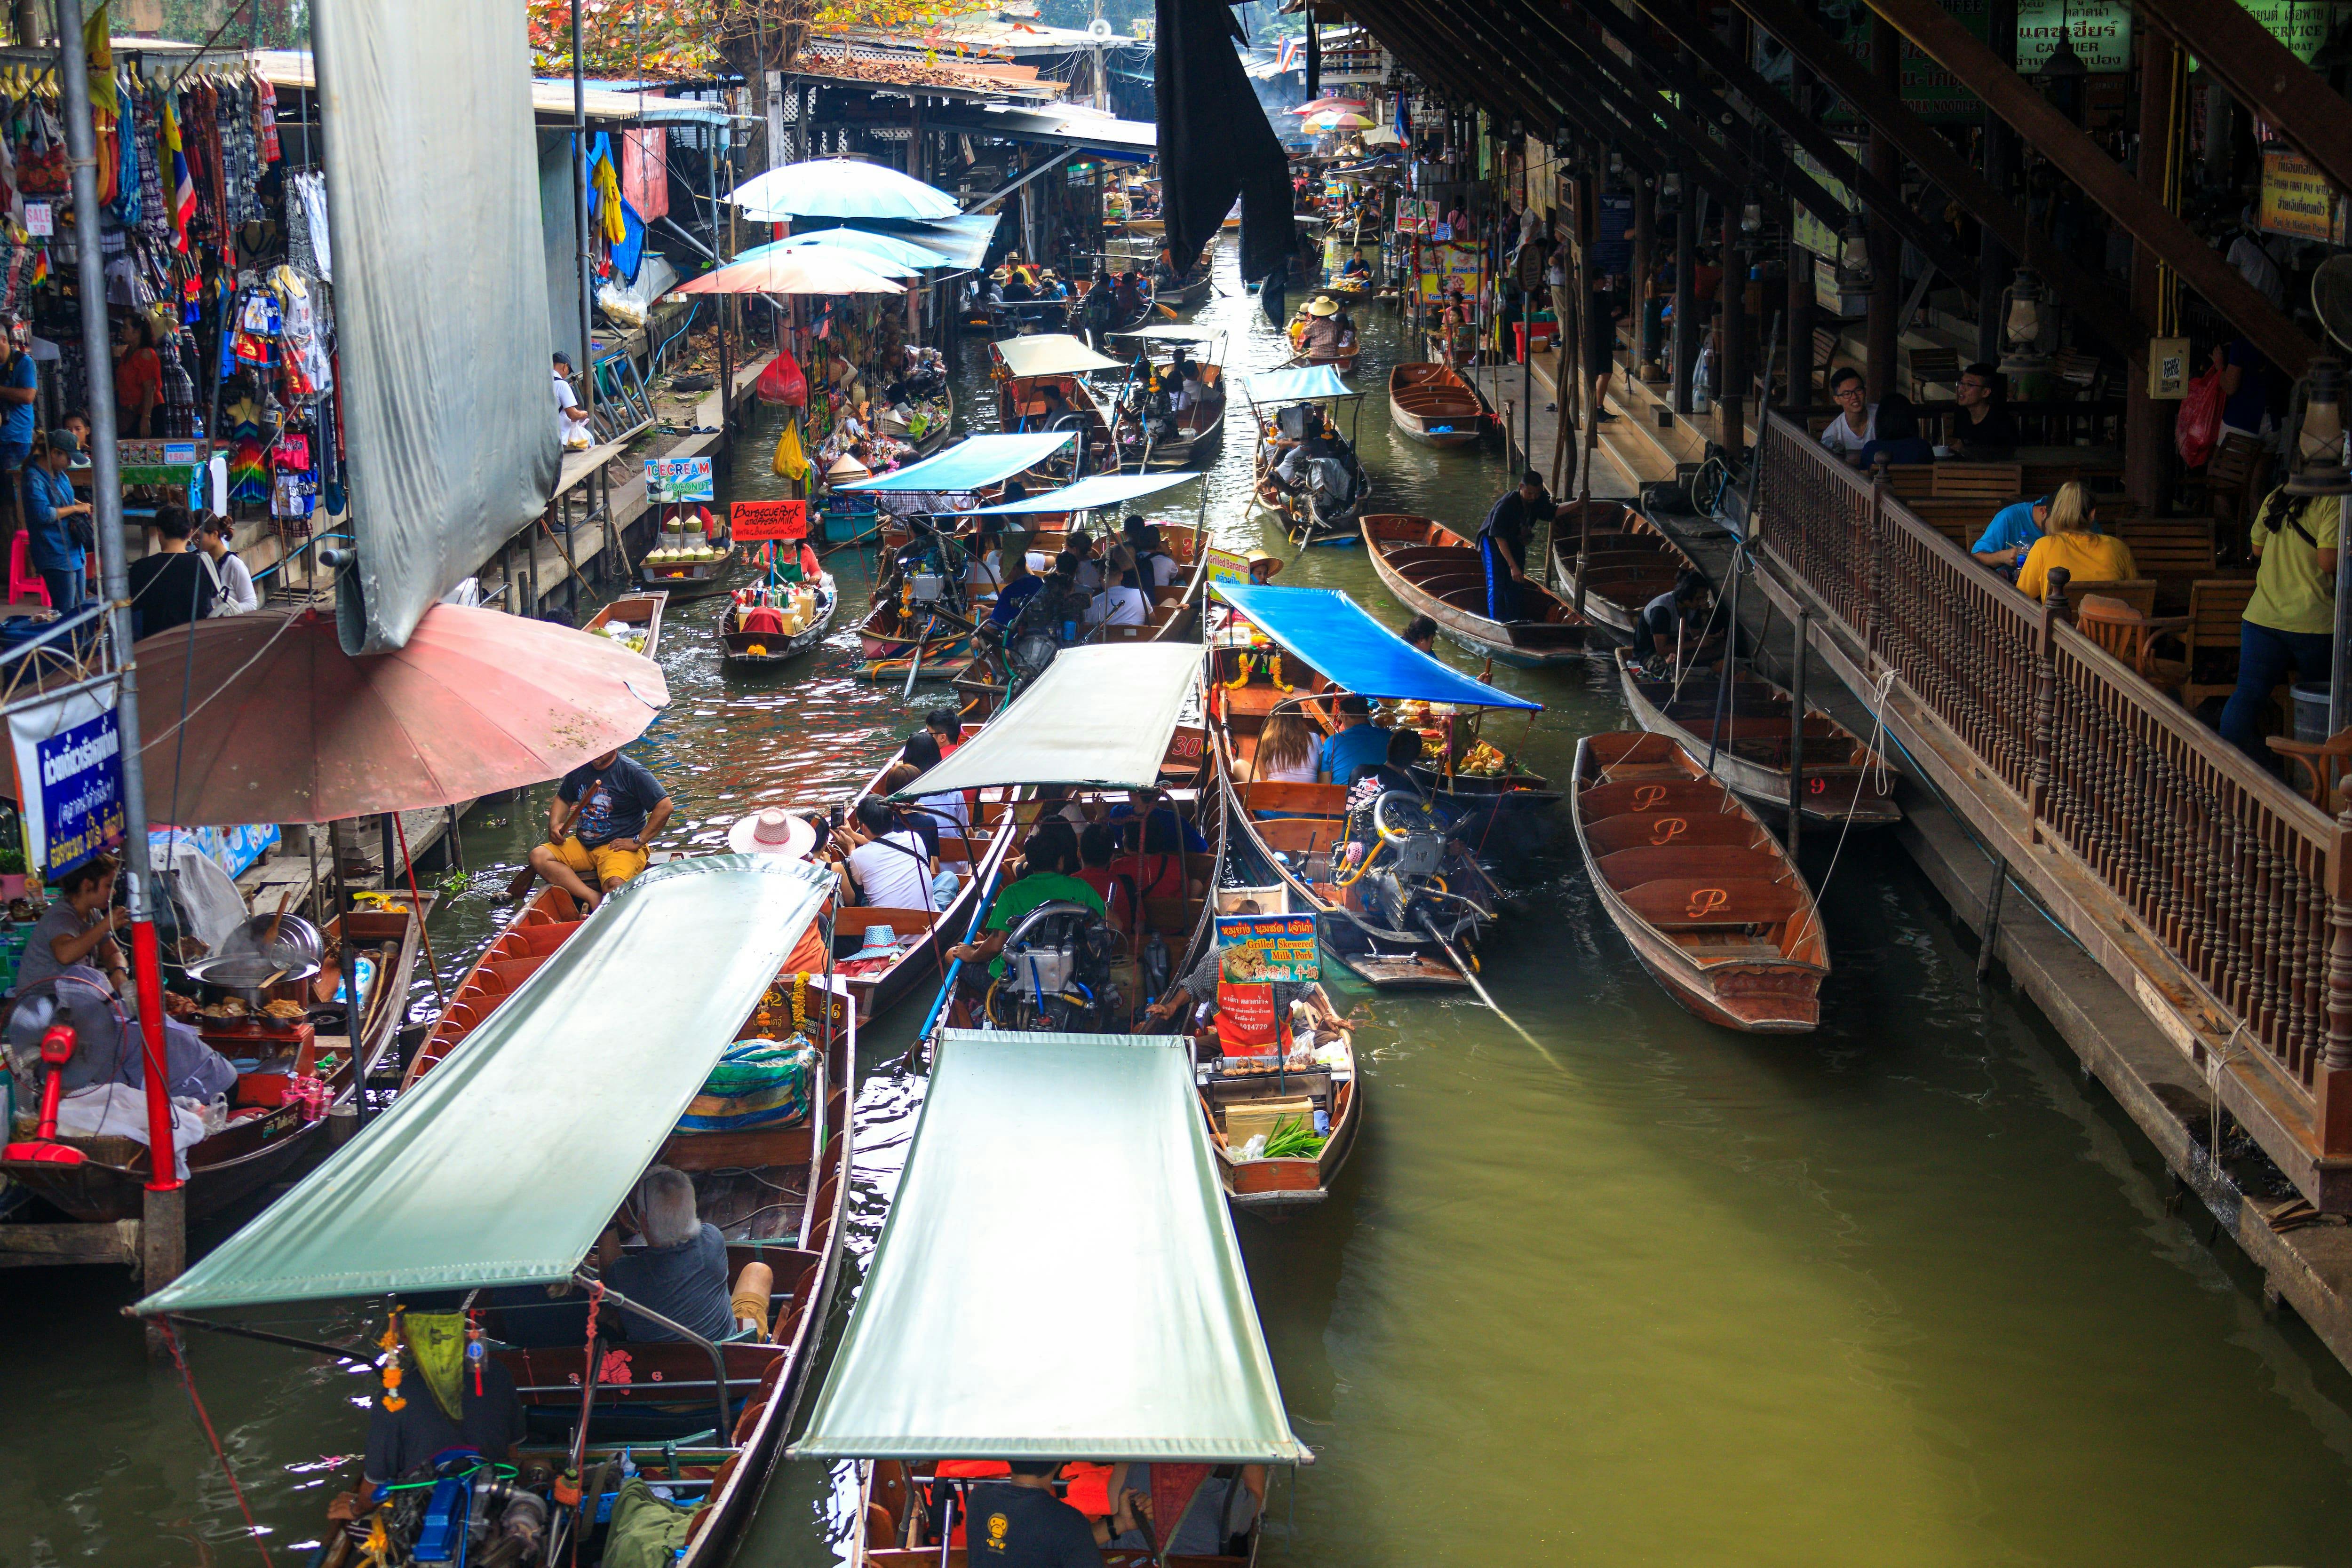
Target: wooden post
[[2045, 695], [162, 1247], [1796, 731], [1645, 262], [1731, 352], [1881, 330], [1993, 917], [2146, 421], [2332, 1084], [1995, 264], [1685, 340], [1800, 331]]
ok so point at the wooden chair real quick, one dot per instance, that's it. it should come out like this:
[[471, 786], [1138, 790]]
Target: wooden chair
[[1911, 481], [1961, 520], [2000, 483], [1936, 367], [1827, 344], [2166, 546], [2234, 481], [2216, 606], [2138, 594], [2316, 767], [2131, 635]]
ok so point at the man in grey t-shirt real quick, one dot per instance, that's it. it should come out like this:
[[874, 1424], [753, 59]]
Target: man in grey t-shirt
[[680, 1273]]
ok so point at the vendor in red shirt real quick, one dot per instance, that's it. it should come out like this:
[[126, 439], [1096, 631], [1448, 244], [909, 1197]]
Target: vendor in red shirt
[[139, 379]]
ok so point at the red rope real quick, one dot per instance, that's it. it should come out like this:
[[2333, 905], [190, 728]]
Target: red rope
[[235, 1490]]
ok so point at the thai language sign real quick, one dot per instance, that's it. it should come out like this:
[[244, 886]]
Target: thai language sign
[[2296, 199], [669, 480], [754, 522], [1258, 949], [68, 756]]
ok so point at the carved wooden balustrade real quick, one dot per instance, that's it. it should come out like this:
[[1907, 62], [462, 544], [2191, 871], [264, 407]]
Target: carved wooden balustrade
[[2240, 879]]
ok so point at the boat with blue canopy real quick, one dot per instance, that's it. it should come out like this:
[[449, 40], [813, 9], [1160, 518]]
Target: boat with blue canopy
[[682, 1061], [1119, 1358], [1393, 874], [1321, 495]]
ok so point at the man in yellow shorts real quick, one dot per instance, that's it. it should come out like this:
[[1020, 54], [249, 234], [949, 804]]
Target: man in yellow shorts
[[597, 825]]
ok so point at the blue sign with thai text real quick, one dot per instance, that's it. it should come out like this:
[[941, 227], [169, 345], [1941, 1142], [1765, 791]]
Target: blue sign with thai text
[[81, 792]]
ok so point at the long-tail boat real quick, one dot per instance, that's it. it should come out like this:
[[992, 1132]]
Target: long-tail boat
[[930, 1405], [1436, 572], [1747, 743], [1284, 404], [755, 648], [1432, 403], [634, 621], [587, 1082], [1711, 904], [1629, 561]]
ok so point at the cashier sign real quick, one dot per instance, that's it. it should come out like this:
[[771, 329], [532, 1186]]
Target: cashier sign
[[1257, 950], [68, 756]]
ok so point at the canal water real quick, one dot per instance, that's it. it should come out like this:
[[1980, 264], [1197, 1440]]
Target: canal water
[[1902, 1290]]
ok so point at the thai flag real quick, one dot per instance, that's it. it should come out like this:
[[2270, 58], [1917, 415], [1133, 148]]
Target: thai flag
[[1293, 55], [182, 199]]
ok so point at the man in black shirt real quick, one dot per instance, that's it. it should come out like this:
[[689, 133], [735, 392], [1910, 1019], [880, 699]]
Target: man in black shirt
[[173, 586], [1986, 429], [1503, 544], [1020, 1523], [1600, 344]]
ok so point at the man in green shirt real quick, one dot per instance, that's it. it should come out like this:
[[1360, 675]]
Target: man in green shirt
[[1048, 860]]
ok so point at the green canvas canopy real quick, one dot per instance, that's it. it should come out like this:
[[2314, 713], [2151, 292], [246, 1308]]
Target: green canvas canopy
[[1058, 1277], [505, 1162], [1099, 716]]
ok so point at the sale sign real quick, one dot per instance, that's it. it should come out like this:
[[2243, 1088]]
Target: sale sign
[[755, 522]]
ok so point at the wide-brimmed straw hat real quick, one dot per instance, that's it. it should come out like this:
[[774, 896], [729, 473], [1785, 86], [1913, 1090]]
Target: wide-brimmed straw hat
[[772, 830], [1326, 306]]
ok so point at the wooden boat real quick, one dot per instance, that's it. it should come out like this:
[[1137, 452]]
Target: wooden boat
[[1185, 296], [935, 432], [1843, 778], [1432, 403], [1199, 430], [755, 649], [1344, 361], [545, 922], [1302, 520], [688, 579], [1293, 830], [1630, 560], [1242, 1096], [275, 1132], [1438, 573], [640, 617], [886, 633], [1701, 889]]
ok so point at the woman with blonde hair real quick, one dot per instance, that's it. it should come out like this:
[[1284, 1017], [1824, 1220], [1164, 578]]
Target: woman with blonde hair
[[2071, 539], [1286, 749]]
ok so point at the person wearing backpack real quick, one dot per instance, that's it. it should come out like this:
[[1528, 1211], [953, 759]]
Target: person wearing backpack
[[2290, 623], [232, 590]]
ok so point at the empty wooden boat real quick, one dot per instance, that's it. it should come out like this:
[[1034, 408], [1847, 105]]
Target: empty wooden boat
[[634, 621], [1843, 778], [1432, 403], [1702, 889], [544, 923], [1629, 561], [1438, 573]]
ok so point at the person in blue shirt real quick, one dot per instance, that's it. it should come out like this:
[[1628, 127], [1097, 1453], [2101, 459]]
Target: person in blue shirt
[[50, 502], [1357, 743], [20, 386], [2014, 529]]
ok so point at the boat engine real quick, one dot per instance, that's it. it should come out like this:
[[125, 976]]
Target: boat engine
[[1057, 972], [1402, 876]]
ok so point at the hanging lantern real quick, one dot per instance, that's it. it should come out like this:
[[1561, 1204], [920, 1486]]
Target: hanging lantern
[[2022, 325], [1853, 257], [1616, 164], [2319, 439], [1671, 186], [1751, 219]]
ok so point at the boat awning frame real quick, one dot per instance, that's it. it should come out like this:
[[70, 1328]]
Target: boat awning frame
[[504, 1164], [1307, 383], [1094, 491], [1355, 651], [1050, 354], [989, 1327], [1101, 717], [973, 462]]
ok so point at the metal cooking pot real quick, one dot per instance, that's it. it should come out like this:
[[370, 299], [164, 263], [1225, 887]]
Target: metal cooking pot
[[248, 959]]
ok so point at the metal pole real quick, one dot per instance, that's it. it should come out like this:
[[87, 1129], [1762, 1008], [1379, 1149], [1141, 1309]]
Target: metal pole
[[1993, 917], [583, 261], [1797, 732], [1731, 667], [163, 1234]]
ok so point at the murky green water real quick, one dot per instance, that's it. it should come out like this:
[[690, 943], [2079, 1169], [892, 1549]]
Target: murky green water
[[1901, 1292]]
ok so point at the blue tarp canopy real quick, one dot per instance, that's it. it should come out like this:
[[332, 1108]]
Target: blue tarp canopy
[[1331, 632], [1096, 490], [978, 460], [1307, 383], [868, 247]]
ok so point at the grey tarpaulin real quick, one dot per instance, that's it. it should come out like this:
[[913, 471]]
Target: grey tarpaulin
[[440, 296]]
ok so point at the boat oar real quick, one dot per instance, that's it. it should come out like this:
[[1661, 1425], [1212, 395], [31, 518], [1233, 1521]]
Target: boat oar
[[916, 667], [1461, 964]]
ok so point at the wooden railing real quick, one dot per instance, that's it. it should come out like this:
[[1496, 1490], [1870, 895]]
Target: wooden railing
[[2207, 855]]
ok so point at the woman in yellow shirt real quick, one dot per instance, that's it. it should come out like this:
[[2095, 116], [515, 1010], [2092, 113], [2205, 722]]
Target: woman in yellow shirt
[[2290, 623], [2069, 540]]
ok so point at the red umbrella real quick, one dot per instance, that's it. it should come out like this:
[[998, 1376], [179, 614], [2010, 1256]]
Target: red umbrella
[[1320, 104], [282, 726]]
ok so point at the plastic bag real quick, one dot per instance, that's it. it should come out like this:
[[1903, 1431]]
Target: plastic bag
[[2196, 429], [783, 382], [789, 461]]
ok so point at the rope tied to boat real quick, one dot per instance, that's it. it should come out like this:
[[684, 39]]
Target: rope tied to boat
[[1884, 780], [204, 1419]]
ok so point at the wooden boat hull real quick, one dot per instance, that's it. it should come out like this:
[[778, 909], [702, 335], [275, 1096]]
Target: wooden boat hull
[[1189, 448], [736, 647], [1433, 571], [1630, 560], [1272, 1186], [687, 580], [636, 610], [1663, 812], [1835, 791], [249, 1156], [545, 922], [1432, 403], [1187, 296]]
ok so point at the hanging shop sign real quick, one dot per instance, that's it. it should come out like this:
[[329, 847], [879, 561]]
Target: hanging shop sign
[[175, 463], [1443, 264], [1809, 232], [2101, 30], [2301, 25], [1258, 949], [672, 480], [1228, 566], [68, 756], [759, 522], [2296, 199]]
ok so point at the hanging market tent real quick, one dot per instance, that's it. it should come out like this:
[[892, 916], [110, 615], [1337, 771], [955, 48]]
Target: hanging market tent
[[1307, 383], [984, 1331], [789, 271], [1356, 653], [505, 1162], [840, 188], [870, 261], [431, 104], [1094, 491], [1060, 731], [964, 241], [1071, 125], [283, 725], [862, 246], [1337, 119], [1317, 106], [977, 460], [1050, 354]]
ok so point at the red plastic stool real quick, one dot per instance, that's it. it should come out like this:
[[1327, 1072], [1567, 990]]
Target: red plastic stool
[[25, 585]]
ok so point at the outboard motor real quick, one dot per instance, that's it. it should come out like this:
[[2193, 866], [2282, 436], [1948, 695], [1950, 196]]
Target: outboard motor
[[1057, 972]]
